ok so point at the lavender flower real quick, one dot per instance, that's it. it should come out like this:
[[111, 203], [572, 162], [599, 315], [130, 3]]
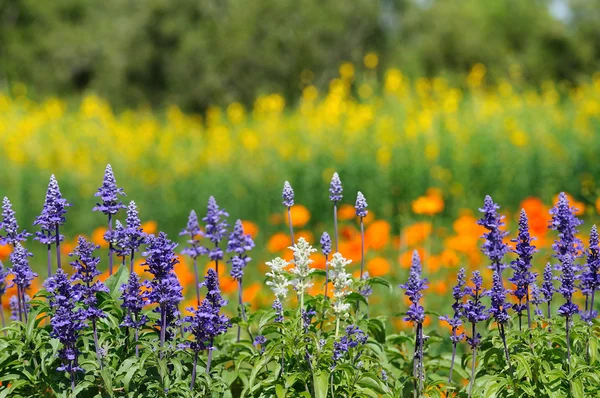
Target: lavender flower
[[134, 236], [361, 205], [413, 290], [23, 275], [239, 243], [133, 302], [3, 274], [306, 318], [50, 220], [277, 279], [565, 222], [66, 321], [335, 188], [15, 308], [353, 338], [215, 229], [474, 311], [108, 194], [590, 278], [260, 340], [455, 322], [192, 229], [302, 271], [522, 276], [118, 240], [164, 289], [287, 195], [498, 308], [548, 288], [278, 307], [325, 244], [536, 298], [10, 226], [567, 288], [365, 289], [494, 246]]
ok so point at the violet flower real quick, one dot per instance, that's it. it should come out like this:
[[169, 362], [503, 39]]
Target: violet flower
[[522, 276], [133, 302], [548, 288], [194, 250], [326, 250], [494, 247], [361, 212], [110, 205], [133, 235], [260, 340], [164, 288], [23, 275], [206, 322], [10, 226], [354, 338], [537, 299], [50, 220], [565, 222], [590, 278], [215, 230], [455, 322], [278, 307], [3, 274], [335, 195], [86, 271], [498, 308], [288, 202], [118, 240], [14, 305], [66, 321], [567, 288], [474, 312]]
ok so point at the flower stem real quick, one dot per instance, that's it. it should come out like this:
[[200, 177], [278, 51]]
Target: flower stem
[[335, 225], [110, 248], [242, 309], [163, 321], [209, 358], [362, 247], [503, 336], [197, 280], [291, 227], [528, 309], [49, 261], [473, 364], [131, 261], [58, 248], [452, 362], [19, 308], [96, 342], [194, 371], [2, 316], [337, 327], [568, 342]]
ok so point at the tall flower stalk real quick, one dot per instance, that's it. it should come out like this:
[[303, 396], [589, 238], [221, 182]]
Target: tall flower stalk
[[288, 202], [110, 205], [50, 220], [548, 288], [23, 276], [341, 281], [164, 288], [474, 312], [215, 230], [416, 314], [86, 271], [498, 309], [326, 250], [239, 244], [590, 278], [567, 288], [494, 247], [133, 302], [133, 235], [335, 195], [361, 213], [194, 250], [455, 322], [522, 276], [10, 226]]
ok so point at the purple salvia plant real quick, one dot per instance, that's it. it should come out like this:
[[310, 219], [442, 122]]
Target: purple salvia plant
[[354, 338], [494, 247], [590, 278], [335, 195], [3, 274], [288, 201], [22, 276], [215, 230], [278, 307], [118, 241], [522, 276], [260, 340], [207, 322], [361, 212], [567, 288], [239, 243], [66, 321], [110, 205], [133, 235], [10, 226], [416, 313], [133, 302], [13, 304], [164, 288], [86, 272], [326, 249], [474, 312], [194, 250], [458, 292], [50, 220], [548, 288], [498, 309], [537, 299]]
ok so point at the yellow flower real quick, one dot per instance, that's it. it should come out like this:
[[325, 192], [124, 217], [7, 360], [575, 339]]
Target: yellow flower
[[371, 60]]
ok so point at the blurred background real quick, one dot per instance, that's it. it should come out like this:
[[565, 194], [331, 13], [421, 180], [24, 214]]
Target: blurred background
[[423, 105]]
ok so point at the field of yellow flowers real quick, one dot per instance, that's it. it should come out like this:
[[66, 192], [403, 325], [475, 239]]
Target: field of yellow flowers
[[425, 151]]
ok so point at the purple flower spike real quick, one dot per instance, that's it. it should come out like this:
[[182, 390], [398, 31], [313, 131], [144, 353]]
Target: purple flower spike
[[278, 307], [215, 229], [590, 278], [457, 293], [237, 267], [135, 236], [240, 242], [567, 287], [260, 340], [192, 229], [23, 275], [108, 194], [474, 311], [3, 274], [53, 214], [287, 195], [133, 302], [494, 247], [361, 205], [565, 222], [10, 226], [353, 338], [414, 288], [498, 297], [522, 276], [537, 299], [335, 188], [325, 244]]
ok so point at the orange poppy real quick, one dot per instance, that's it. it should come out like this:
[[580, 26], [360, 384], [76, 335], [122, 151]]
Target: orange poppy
[[250, 293], [278, 242], [250, 228], [430, 204], [417, 233], [98, 237], [346, 212], [300, 216], [377, 235], [149, 227], [5, 251], [378, 266]]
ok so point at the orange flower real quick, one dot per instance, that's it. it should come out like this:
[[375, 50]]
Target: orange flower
[[5, 251], [250, 228], [580, 206], [430, 204], [98, 237], [417, 233], [306, 235], [346, 212], [149, 227], [250, 293], [300, 216], [377, 235], [440, 287], [378, 266], [278, 242], [186, 277]]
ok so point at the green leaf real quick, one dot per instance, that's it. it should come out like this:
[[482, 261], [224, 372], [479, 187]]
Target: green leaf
[[115, 281], [279, 391], [377, 280], [577, 389], [16, 384], [321, 383]]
